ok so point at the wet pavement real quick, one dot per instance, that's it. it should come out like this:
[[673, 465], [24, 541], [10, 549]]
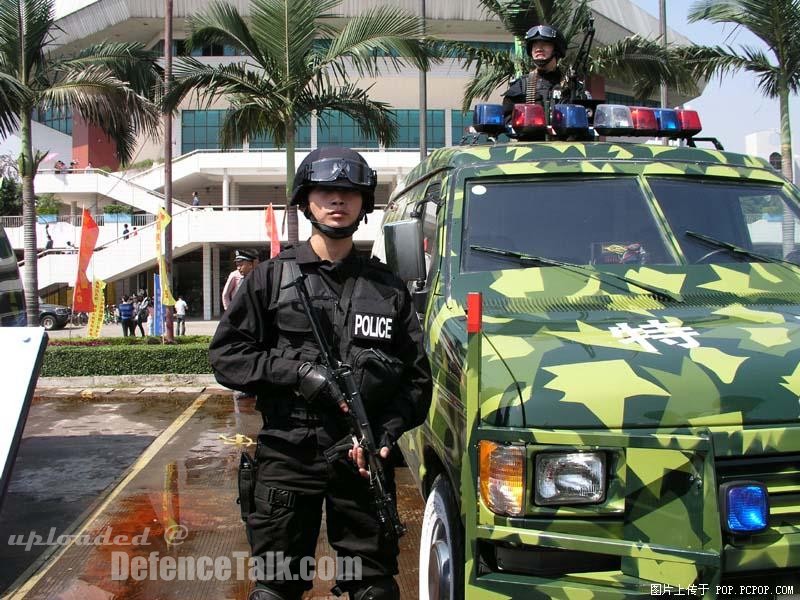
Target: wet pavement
[[141, 487]]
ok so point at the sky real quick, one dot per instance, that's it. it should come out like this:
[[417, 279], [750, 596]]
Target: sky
[[733, 107], [729, 109]]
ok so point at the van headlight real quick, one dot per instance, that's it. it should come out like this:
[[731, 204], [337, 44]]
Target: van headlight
[[502, 477], [570, 478]]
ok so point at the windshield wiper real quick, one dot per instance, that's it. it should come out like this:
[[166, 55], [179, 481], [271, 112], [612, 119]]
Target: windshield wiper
[[580, 269], [738, 250]]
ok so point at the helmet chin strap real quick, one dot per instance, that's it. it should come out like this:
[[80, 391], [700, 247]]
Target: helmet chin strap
[[541, 62], [335, 233]]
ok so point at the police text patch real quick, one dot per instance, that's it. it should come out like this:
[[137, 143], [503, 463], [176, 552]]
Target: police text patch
[[372, 327]]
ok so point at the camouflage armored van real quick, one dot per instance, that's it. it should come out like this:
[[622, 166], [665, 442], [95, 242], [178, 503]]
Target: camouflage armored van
[[614, 332]]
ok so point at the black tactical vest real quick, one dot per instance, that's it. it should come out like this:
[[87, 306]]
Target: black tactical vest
[[360, 326]]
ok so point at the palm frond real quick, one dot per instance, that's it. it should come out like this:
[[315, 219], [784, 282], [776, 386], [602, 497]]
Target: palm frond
[[285, 30], [484, 83], [379, 36], [247, 119], [129, 62], [208, 82], [13, 96], [36, 30], [223, 24], [102, 99], [373, 118]]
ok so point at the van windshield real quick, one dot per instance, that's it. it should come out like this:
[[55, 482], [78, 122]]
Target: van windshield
[[609, 221]]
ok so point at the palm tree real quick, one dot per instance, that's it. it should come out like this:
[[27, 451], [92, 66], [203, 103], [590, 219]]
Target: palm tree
[[777, 24], [289, 73], [93, 84], [637, 61]]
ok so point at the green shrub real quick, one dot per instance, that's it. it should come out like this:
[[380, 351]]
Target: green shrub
[[125, 359], [128, 341]]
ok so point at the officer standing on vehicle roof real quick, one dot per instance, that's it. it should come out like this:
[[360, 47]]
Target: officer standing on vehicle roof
[[264, 345], [545, 45]]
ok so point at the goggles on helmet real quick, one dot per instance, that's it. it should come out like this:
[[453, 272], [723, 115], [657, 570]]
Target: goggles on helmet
[[330, 169], [544, 32]]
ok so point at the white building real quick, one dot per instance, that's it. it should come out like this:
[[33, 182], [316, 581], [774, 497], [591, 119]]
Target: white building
[[234, 185]]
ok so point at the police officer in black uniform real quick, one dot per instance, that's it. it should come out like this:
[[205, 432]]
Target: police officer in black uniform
[[264, 346], [545, 45]]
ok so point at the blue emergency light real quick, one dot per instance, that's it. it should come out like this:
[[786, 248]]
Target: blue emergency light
[[668, 124], [744, 507], [488, 119], [569, 119]]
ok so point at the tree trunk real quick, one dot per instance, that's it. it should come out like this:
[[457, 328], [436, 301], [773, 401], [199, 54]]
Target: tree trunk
[[788, 229], [291, 211], [27, 170]]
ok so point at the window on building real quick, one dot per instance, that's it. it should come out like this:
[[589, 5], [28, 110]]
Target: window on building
[[614, 98], [200, 130], [57, 119], [461, 124], [302, 140]]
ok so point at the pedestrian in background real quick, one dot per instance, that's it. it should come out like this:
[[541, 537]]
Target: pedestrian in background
[[125, 309], [180, 316], [245, 261], [125, 232], [142, 313], [195, 200]]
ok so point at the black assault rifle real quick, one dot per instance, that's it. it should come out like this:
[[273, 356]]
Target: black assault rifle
[[574, 91], [349, 393]]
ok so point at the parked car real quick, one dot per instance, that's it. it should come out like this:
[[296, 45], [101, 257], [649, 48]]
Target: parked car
[[53, 316]]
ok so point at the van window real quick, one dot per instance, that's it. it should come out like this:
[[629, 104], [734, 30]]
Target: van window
[[580, 220], [746, 215]]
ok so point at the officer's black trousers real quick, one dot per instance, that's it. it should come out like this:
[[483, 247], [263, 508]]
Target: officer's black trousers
[[291, 457]]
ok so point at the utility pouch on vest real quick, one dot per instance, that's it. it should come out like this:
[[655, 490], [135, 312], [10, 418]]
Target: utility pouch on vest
[[378, 376], [247, 485]]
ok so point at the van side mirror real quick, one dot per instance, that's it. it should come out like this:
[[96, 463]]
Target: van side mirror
[[405, 254]]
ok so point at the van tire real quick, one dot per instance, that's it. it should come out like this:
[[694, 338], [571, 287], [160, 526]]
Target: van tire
[[441, 555]]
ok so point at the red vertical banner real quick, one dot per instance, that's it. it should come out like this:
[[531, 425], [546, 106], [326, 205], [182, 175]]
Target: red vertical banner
[[272, 233], [82, 298]]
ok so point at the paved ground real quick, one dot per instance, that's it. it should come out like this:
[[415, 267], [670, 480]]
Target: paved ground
[[193, 327], [157, 462]]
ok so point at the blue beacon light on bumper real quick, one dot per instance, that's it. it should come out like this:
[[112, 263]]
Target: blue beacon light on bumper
[[744, 506]]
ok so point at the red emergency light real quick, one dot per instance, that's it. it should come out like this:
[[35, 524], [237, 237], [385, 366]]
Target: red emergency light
[[644, 120], [528, 119]]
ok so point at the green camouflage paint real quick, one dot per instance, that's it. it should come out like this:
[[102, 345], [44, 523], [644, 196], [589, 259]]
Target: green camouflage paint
[[681, 396]]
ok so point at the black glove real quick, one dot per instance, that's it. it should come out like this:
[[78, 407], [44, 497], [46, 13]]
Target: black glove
[[315, 383]]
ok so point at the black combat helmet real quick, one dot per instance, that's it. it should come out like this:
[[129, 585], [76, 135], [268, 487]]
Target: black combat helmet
[[546, 33], [335, 166]]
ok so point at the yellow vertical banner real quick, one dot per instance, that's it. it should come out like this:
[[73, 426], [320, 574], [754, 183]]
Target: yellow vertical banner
[[162, 220], [96, 318]]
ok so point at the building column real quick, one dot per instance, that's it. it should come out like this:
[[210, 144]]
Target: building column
[[215, 291], [314, 128], [448, 127], [226, 191], [73, 212], [207, 276]]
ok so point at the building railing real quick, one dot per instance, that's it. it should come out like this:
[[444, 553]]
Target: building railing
[[140, 220]]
